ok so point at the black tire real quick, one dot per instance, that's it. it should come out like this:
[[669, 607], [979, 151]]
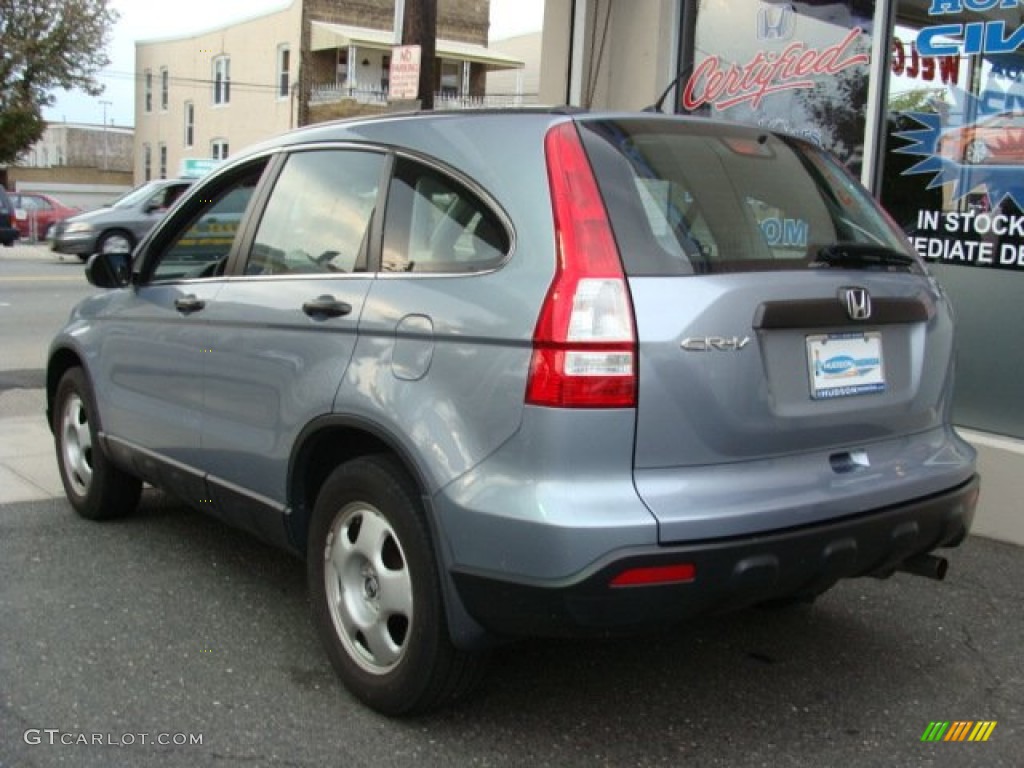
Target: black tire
[[376, 592], [124, 240], [95, 487]]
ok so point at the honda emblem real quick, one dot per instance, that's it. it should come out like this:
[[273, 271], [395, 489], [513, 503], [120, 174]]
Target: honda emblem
[[857, 302]]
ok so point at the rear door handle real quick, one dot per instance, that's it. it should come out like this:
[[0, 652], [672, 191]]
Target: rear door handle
[[189, 304], [326, 306]]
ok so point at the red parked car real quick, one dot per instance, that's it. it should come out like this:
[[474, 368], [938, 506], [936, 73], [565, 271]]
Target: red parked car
[[35, 212]]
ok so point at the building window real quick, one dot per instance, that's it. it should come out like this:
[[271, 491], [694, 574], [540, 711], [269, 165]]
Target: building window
[[385, 74], [283, 71], [222, 80], [219, 149], [190, 123], [165, 84], [147, 86], [147, 162], [449, 78], [163, 160]]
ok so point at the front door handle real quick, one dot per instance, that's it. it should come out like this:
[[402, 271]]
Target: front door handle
[[189, 304], [326, 306]]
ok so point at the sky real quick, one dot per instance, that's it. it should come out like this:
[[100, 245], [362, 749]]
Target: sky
[[147, 19]]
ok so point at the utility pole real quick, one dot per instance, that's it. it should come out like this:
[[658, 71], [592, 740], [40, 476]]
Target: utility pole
[[106, 149], [420, 28]]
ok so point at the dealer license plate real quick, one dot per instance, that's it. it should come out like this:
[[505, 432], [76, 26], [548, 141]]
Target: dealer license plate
[[845, 364]]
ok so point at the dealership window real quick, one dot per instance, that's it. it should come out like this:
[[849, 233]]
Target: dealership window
[[147, 90], [823, 99], [147, 162], [165, 85], [219, 149], [222, 80], [283, 71], [162, 151], [953, 178], [190, 123]]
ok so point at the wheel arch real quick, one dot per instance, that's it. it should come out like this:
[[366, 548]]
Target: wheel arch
[[324, 444], [61, 361], [329, 441]]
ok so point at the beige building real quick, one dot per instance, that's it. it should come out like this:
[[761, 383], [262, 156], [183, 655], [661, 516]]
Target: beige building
[[207, 95], [607, 54], [518, 87]]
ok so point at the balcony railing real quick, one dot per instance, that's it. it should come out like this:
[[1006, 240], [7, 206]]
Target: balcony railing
[[327, 93]]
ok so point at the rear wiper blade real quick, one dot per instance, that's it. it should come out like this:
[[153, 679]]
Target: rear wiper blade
[[861, 256]]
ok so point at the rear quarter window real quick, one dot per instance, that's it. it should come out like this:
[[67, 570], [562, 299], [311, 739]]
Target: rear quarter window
[[436, 224]]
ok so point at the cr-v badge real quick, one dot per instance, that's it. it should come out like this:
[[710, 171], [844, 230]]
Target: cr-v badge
[[714, 343]]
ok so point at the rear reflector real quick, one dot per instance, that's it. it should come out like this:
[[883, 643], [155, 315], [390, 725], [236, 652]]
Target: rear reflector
[[657, 574]]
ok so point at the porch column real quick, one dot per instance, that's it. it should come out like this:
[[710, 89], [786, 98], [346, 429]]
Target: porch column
[[578, 53], [353, 62]]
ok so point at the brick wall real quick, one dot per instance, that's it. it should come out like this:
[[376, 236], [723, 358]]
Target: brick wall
[[463, 20]]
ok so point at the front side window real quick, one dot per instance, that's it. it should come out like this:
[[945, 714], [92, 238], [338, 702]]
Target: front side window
[[200, 245], [147, 90], [147, 162], [165, 87], [317, 219], [222, 80], [163, 160], [435, 224]]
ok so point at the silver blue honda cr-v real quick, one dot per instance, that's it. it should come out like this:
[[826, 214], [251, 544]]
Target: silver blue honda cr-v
[[537, 373]]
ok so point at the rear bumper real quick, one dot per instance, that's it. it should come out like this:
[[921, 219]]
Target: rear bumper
[[730, 573]]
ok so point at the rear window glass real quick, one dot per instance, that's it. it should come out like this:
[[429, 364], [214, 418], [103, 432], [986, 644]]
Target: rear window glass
[[698, 198]]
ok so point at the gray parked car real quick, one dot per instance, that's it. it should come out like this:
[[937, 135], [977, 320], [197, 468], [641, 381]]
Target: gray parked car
[[119, 226], [507, 374]]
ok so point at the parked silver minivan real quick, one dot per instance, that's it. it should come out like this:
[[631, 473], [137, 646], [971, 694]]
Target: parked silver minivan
[[119, 226], [506, 374]]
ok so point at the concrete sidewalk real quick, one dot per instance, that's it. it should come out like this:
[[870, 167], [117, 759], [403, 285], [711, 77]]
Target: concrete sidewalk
[[28, 467]]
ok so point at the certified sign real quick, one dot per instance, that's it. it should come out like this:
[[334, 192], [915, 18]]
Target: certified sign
[[405, 72]]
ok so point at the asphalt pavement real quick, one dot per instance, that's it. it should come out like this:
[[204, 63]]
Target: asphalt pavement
[[125, 643]]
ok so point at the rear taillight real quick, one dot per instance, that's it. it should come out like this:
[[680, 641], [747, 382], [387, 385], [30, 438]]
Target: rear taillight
[[584, 346]]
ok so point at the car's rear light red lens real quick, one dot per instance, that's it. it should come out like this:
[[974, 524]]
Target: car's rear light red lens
[[584, 343], [680, 573]]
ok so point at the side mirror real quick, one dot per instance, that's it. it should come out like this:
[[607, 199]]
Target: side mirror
[[109, 270]]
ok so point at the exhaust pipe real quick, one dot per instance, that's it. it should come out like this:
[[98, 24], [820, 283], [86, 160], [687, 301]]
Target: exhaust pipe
[[930, 566]]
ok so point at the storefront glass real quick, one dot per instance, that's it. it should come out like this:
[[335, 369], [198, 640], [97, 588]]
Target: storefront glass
[[953, 177], [799, 67]]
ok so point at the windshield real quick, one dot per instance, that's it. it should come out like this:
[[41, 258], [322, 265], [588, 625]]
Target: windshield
[[136, 196], [689, 197]]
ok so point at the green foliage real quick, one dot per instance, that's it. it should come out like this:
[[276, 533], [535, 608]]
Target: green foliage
[[916, 100], [46, 44]]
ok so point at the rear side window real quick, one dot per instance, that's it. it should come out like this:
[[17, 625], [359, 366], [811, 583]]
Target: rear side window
[[695, 198], [436, 224], [319, 214]]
